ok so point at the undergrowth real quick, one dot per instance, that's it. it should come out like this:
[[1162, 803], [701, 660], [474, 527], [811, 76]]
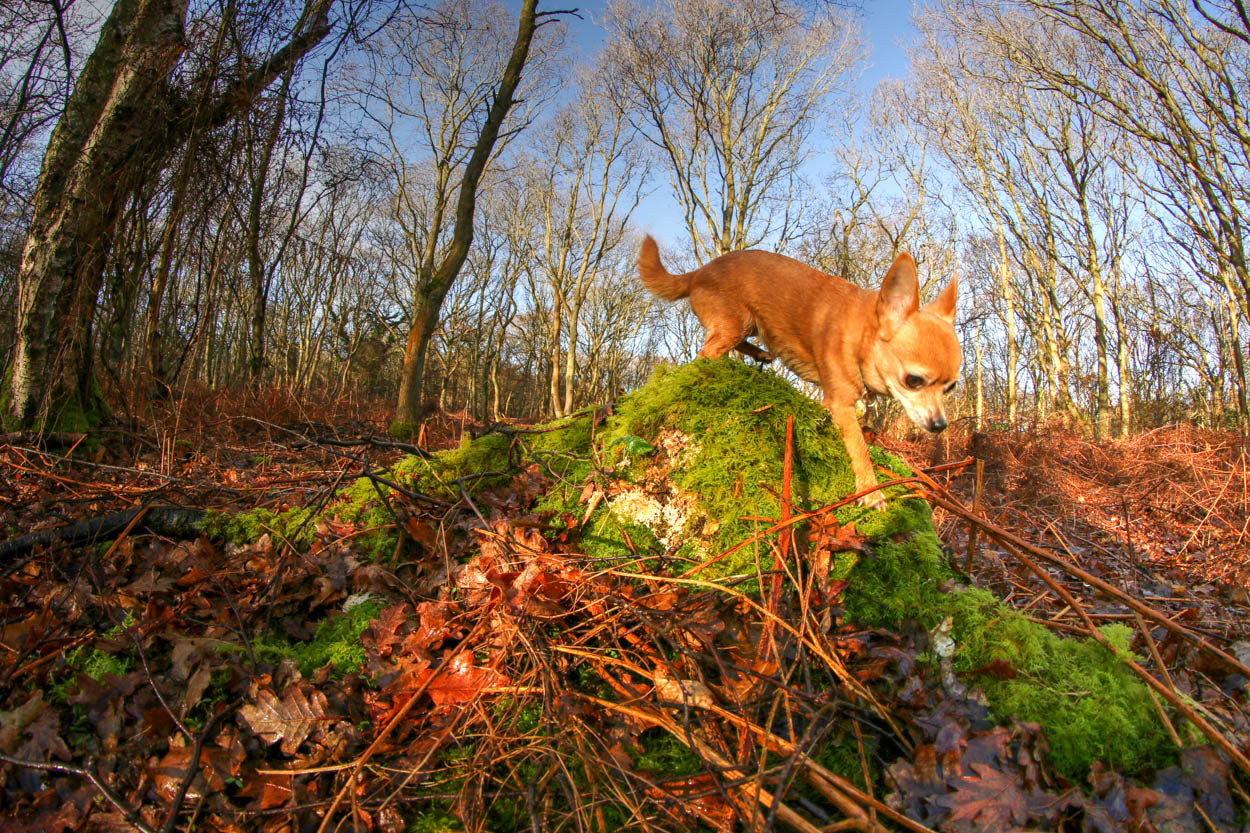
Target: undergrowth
[[711, 435]]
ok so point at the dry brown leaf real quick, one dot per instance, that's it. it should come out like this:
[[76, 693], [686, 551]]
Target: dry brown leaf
[[289, 720], [670, 689]]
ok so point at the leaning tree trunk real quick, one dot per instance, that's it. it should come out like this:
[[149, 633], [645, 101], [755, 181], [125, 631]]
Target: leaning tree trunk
[[82, 185], [122, 122], [430, 296], [412, 380]]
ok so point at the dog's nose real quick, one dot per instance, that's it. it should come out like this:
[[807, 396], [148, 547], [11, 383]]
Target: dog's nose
[[937, 424]]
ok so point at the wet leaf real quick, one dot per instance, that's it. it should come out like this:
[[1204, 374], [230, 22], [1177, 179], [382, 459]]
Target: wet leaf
[[991, 801]]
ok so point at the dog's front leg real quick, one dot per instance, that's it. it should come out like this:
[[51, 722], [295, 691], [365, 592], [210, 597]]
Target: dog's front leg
[[865, 477]]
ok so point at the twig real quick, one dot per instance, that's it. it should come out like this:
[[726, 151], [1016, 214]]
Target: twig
[[90, 777], [783, 544], [730, 770], [167, 520], [193, 766], [200, 484], [944, 499], [976, 508], [393, 722]]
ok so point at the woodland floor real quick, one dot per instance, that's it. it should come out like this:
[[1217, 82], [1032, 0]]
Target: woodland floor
[[1162, 517]]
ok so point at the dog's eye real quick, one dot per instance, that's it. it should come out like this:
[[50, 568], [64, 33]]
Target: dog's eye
[[948, 388], [913, 381]]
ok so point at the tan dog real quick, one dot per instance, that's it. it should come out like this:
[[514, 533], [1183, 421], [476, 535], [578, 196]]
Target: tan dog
[[828, 331]]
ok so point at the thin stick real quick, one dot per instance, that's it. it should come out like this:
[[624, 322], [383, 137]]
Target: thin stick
[[783, 543], [390, 726], [976, 508], [86, 774], [941, 497]]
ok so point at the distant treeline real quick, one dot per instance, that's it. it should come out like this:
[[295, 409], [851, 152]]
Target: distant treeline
[[440, 203]]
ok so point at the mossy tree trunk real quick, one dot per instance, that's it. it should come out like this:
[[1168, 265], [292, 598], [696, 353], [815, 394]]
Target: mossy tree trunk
[[121, 125]]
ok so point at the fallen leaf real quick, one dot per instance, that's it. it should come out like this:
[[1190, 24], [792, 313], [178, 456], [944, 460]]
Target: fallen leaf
[[289, 720], [992, 801]]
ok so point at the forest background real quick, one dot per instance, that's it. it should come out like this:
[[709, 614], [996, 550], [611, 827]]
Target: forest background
[[439, 205]]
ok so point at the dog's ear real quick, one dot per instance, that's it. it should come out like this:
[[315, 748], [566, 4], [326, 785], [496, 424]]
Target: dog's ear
[[899, 297], [943, 306]]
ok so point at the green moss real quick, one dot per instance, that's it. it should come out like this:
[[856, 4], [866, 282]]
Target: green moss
[[1091, 706], [96, 664], [840, 754], [606, 538], [292, 525], [571, 435], [93, 662], [436, 818], [737, 416], [336, 642], [407, 431], [666, 756], [898, 582]]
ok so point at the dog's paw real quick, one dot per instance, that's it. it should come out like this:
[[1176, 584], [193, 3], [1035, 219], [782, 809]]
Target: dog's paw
[[873, 500]]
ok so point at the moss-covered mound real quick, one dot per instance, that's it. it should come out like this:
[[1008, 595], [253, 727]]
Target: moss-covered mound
[[690, 466], [1090, 705]]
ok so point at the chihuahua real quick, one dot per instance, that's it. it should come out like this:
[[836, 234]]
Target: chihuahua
[[829, 332]]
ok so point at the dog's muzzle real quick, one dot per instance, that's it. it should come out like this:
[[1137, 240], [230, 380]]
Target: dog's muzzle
[[936, 424]]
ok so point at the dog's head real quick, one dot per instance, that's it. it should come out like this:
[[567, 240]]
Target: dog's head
[[916, 354]]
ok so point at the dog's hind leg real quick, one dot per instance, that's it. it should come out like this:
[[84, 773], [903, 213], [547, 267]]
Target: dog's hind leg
[[718, 344]]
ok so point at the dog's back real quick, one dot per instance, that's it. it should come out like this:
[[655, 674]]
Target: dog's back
[[796, 310], [828, 331]]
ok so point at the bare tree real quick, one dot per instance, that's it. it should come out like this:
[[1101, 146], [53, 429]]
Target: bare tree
[[587, 182], [104, 144], [1170, 75], [729, 92], [449, 77]]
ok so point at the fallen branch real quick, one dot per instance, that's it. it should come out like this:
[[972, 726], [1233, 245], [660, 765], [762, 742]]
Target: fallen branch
[[173, 521], [85, 772], [169, 478]]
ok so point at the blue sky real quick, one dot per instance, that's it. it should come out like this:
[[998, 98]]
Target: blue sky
[[886, 26]]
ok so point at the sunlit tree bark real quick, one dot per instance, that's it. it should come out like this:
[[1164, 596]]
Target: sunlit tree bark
[[104, 143]]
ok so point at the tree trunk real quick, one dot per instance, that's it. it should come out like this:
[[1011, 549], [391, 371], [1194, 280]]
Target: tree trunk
[[425, 318], [980, 395], [78, 201], [494, 388], [119, 124], [570, 365], [409, 411], [257, 269], [1013, 350], [553, 381]]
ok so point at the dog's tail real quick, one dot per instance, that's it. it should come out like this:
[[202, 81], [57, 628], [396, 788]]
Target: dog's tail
[[656, 278]]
